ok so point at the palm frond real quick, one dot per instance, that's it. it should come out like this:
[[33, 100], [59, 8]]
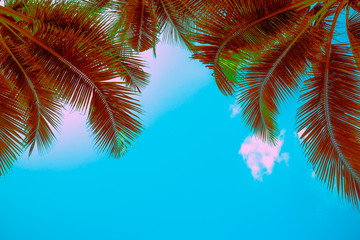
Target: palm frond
[[329, 118], [353, 30], [41, 109], [11, 124], [274, 76], [244, 26], [77, 59], [142, 25], [175, 19], [145, 20], [97, 5]]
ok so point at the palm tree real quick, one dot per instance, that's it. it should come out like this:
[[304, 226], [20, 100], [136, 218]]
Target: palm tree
[[264, 51], [57, 53]]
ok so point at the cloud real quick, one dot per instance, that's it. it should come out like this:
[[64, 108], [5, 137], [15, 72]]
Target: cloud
[[260, 157], [235, 110], [299, 135]]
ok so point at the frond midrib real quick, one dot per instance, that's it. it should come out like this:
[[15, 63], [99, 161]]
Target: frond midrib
[[241, 29], [69, 64], [326, 104]]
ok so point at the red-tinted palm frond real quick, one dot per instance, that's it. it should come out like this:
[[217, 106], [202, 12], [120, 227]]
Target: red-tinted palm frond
[[97, 4], [142, 25], [274, 77], [175, 19], [11, 124], [84, 72], [355, 5], [145, 20], [129, 66], [240, 26], [353, 30], [330, 120], [75, 57], [42, 109]]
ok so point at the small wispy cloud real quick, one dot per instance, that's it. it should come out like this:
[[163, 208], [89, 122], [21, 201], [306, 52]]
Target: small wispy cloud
[[235, 110], [300, 134], [260, 156]]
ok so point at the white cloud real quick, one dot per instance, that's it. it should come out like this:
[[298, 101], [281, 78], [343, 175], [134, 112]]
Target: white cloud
[[260, 156], [235, 110]]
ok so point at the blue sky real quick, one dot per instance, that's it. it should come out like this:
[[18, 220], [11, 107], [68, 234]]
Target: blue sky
[[195, 173]]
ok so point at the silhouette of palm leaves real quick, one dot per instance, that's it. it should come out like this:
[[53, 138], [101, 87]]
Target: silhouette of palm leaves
[[261, 51], [52, 57], [265, 50]]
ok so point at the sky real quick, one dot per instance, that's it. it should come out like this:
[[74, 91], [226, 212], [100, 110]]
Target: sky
[[196, 172]]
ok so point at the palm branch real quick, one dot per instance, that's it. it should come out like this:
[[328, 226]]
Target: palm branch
[[52, 57], [262, 51], [265, 50], [142, 21]]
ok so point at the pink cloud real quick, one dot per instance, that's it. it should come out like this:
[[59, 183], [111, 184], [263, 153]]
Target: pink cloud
[[260, 157], [300, 135], [235, 110]]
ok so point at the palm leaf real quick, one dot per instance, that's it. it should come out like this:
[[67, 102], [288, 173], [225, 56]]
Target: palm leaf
[[74, 56], [11, 124], [145, 20], [42, 112], [240, 25], [330, 120], [353, 30], [175, 19], [275, 75], [142, 25]]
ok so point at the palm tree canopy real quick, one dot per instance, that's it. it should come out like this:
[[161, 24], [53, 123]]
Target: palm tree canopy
[[261, 51], [52, 57]]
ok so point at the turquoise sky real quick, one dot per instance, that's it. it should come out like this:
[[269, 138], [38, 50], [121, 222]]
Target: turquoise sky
[[195, 173]]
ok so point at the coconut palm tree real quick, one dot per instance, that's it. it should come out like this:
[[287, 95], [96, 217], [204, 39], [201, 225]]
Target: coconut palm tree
[[261, 51], [264, 51], [60, 53]]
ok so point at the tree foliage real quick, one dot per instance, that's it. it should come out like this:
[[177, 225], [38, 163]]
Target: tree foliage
[[263, 52]]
